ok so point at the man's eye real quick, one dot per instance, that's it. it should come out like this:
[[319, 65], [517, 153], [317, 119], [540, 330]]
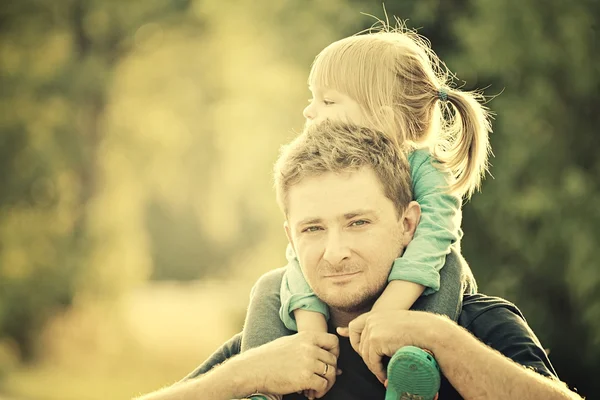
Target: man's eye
[[360, 222], [311, 229]]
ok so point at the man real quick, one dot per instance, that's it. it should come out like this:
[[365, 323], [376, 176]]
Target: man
[[345, 191]]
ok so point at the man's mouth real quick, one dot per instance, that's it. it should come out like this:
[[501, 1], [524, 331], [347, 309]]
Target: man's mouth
[[342, 274]]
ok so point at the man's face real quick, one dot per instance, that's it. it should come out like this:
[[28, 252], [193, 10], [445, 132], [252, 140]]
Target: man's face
[[329, 104], [346, 234]]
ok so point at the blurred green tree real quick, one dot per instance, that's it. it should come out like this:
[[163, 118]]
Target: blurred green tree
[[531, 234], [130, 146], [56, 66], [537, 222], [136, 140]]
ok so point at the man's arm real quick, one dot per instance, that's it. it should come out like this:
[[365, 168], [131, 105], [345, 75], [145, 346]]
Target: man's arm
[[475, 370], [228, 350], [478, 372], [285, 365], [224, 382]]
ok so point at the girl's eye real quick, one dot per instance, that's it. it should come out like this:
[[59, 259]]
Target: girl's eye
[[327, 102]]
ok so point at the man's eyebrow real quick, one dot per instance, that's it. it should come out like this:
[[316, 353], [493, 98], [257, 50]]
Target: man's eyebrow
[[310, 220], [348, 215], [356, 213]]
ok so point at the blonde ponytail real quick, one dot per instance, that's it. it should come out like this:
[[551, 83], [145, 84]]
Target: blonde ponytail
[[400, 83], [464, 146]]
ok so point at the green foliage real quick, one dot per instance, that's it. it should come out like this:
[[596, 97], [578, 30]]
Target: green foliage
[[530, 236], [538, 217], [130, 147], [56, 65], [137, 138]]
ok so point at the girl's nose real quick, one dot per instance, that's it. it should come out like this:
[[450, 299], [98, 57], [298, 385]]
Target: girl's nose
[[309, 112]]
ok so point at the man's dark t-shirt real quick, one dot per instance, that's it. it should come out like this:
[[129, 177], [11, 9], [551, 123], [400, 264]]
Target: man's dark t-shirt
[[494, 321]]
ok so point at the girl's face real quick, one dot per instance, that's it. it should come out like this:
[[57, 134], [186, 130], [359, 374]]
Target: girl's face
[[334, 106]]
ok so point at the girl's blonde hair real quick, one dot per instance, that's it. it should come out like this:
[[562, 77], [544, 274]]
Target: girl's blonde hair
[[403, 88]]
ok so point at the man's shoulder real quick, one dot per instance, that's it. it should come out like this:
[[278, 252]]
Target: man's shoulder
[[500, 324], [478, 304]]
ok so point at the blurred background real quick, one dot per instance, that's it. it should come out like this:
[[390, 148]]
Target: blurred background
[[136, 146]]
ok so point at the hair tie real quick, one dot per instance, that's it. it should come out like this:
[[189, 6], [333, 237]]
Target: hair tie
[[443, 94]]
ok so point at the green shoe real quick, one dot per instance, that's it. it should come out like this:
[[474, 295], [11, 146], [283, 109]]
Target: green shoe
[[260, 396], [412, 374]]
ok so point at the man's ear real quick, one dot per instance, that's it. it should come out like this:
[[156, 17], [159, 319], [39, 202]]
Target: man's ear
[[410, 220], [288, 233]]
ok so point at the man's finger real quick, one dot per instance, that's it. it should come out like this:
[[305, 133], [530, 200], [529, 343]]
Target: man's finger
[[361, 344], [330, 376], [356, 328], [358, 323], [355, 341], [328, 358], [376, 365], [317, 383], [326, 341], [345, 332]]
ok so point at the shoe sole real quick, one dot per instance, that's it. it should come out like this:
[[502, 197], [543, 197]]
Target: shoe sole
[[413, 374]]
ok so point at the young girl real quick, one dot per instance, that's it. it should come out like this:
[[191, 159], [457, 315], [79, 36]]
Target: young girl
[[392, 81]]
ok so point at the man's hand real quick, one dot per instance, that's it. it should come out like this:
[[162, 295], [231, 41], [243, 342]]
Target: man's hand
[[305, 361], [475, 370], [381, 333]]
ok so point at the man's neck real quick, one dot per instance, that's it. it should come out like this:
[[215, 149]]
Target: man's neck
[[340, 318]]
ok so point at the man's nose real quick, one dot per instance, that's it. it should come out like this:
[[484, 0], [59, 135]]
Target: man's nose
[[309, 112], [336, 249]]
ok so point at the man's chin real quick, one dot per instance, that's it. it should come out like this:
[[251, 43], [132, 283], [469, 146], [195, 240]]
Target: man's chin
[[350, 303]]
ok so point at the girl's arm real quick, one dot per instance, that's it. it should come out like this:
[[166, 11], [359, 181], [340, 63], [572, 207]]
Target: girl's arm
[[417, 272], [281, 302], [301, 310]]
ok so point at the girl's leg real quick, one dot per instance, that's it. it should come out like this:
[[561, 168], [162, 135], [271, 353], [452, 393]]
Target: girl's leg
[[263, 323], [455, 279]]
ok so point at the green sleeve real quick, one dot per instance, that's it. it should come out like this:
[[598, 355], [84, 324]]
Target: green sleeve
[[296, 293], [438, 228]]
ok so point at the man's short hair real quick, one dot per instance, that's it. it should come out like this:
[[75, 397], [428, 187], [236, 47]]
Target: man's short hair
[[341, 147]]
